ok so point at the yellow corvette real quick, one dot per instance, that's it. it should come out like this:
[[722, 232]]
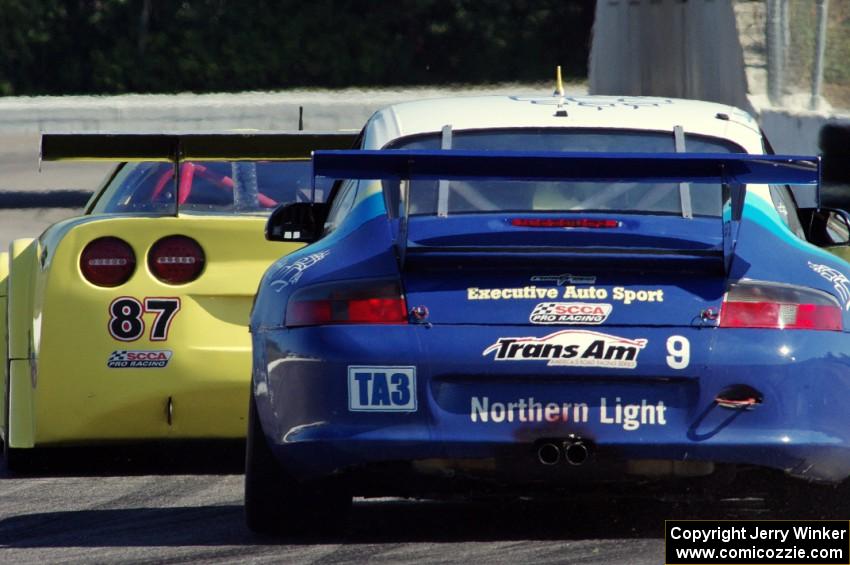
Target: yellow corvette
[[129, 323]]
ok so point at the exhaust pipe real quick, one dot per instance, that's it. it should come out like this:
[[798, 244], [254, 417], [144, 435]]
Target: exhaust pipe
[[549, 454], [572, 449], [576, 452]]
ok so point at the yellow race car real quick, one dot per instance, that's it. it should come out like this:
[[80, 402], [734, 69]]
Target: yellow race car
[[129, 323]]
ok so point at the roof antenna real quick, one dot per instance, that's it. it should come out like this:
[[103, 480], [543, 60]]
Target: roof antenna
[[300, 118], [560, 112]]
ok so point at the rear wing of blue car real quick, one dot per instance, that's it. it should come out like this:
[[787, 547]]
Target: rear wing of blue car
[[727, 168], [733, 171]]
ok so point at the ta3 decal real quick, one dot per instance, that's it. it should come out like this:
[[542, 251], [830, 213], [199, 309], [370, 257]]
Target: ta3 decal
[[381, 389], [148, 359], [126, 322], [571, 292]]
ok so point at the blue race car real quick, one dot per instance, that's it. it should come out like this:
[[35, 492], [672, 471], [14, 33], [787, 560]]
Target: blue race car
[[514, 294]]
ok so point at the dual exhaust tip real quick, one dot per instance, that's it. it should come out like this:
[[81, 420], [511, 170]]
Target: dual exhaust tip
[[574, 451]]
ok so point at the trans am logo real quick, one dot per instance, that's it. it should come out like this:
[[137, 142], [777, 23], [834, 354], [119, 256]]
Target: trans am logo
[[155, 359], [571, 348], [570, 313]]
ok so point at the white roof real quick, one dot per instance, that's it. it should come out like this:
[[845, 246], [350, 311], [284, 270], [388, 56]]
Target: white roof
[[621, 112]]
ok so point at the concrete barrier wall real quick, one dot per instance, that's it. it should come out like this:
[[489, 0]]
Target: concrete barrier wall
[[331, 110], [790, 131], [796, 131], [668, 48], [693, 49]]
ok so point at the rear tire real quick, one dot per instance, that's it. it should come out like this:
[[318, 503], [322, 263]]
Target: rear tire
[[795, 498], [16, 460], [276, 503]]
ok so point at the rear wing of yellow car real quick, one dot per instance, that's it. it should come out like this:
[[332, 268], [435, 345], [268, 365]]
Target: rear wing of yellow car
[[173, 147], [216, 146]]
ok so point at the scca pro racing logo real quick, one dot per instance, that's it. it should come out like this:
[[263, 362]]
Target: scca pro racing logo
[[573, 348], [570, 313], [122, 359]]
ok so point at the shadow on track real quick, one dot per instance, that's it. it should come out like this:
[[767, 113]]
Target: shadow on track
[[383, 521], [170, 517], [167, 458]]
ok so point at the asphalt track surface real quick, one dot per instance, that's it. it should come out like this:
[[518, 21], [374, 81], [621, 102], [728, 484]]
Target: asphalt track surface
[[185, 506], [149, 507], [196, 516]]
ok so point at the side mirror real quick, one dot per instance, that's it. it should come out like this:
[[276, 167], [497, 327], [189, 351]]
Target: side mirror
[[827, 227], [298, 221], [838, 226]]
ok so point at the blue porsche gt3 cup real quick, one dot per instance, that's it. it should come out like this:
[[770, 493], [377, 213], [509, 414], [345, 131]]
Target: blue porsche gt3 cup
[[520, 308]]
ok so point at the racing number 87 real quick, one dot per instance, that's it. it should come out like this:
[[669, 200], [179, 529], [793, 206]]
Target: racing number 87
[[126, 323]]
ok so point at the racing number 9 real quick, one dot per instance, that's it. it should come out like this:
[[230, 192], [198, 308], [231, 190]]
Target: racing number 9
[[679, 352], [126, 323]]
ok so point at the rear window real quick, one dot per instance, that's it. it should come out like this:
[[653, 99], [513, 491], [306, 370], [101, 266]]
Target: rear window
[[509, 195], [238, 187]]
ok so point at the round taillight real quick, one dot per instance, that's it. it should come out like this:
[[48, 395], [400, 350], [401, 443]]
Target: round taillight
[[176, 259], [107, 261]]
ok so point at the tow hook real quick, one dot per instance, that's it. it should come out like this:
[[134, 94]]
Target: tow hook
[[419, 315], [739, 397]]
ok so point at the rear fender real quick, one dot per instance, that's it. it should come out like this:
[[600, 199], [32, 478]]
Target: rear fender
[[4, 346], [22, 274], [17, 386]]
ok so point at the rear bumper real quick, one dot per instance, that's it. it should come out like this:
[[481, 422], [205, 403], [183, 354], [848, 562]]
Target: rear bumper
[[470, 406], [191, 385], [201, 395]]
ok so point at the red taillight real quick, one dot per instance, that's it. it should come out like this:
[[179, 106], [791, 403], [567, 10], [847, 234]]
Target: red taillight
[[360, 302], [762, 305], [591, 223], [107, 261], [176, 259]]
